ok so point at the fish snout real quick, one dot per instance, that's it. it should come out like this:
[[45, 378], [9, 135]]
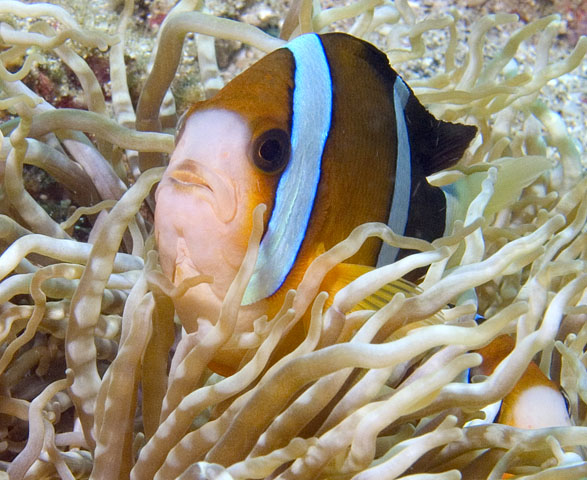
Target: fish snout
[[205, 183]]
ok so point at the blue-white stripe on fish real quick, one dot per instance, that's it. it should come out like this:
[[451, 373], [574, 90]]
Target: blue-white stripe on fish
[[400, 203], [296, 191]]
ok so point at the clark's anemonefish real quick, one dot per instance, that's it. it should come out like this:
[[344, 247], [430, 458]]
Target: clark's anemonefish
[[327, 135], [534, 402]]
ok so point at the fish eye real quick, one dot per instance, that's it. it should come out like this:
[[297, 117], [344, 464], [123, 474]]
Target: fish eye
[[271, 150]]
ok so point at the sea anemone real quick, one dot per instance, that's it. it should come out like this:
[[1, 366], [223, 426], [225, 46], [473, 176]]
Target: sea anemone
[[99, 381]]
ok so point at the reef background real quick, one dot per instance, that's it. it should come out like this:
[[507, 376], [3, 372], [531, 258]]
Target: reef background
[[565, 94]]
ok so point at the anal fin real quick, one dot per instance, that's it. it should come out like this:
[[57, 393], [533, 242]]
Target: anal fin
[[344, 273]]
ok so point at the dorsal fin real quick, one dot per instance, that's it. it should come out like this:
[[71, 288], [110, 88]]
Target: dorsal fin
[[435, 144]]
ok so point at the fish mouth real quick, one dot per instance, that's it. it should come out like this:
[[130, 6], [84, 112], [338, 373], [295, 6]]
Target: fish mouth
[[209, 184], [184, 177]]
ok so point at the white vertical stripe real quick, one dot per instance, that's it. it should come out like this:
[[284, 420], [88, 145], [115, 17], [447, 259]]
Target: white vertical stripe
[[400, 204], [296, 191]]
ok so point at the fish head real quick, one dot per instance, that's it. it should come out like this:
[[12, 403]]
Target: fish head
[[223, 166], [229, 155]]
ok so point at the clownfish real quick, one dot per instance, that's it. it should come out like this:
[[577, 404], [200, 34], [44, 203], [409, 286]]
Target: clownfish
[[328, 136], [534, 402]]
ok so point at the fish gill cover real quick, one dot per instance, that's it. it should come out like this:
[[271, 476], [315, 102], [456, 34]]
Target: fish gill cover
[[97, 379]]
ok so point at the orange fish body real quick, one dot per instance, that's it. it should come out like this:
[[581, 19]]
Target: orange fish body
[[535, 401], [329, 137]]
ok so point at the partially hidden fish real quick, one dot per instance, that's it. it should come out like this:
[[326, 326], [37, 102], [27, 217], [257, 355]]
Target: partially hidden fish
[[327, 135], [534, 402]]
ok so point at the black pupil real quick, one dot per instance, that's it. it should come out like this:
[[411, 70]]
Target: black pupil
[[271, 151]]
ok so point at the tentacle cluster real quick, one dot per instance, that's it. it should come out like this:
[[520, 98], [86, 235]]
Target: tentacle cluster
[[96, 378]]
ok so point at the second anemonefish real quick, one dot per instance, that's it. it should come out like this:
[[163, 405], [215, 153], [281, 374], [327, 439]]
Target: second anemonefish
[[534, 402], [327, 135]]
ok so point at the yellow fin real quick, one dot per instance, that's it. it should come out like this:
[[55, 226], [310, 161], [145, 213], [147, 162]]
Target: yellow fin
[[344, 273], [383, 296]]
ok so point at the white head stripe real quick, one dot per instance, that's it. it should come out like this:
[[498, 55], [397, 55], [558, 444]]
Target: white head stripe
[[296, 191], [400, 203]]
